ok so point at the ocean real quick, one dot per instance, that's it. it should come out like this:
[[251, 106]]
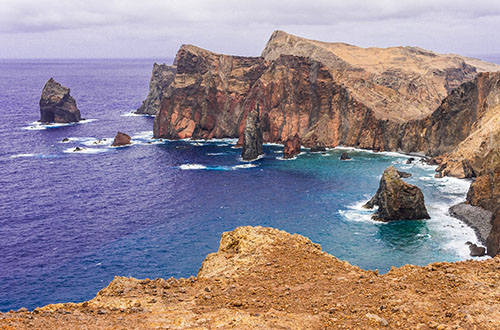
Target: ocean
[[70, 221]]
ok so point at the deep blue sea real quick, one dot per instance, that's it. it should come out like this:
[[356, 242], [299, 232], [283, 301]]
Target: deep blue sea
[[71, 221]]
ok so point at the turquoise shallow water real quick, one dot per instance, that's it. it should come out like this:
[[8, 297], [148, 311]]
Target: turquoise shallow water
[[70, 221]]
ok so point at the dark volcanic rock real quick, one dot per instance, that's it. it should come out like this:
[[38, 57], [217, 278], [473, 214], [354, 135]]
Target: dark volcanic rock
[[56, 105], [493, 240], [161, 78], [292, 147], [252, 144], [404, 174], [318, 148], [475, 250], [397, 200], [476, 217], [121, 139], [344, 156]]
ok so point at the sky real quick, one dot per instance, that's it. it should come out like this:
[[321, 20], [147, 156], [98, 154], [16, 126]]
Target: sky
[[157, 28]]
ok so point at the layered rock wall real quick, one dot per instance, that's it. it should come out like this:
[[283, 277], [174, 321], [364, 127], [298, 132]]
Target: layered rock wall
[[161, 77]]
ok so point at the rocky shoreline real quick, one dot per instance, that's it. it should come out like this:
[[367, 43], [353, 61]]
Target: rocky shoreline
[[475, 217]]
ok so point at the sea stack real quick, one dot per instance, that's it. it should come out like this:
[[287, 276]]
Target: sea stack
[[57, 105], [292, 147], [252, 144], [121, 139], [396, 199]]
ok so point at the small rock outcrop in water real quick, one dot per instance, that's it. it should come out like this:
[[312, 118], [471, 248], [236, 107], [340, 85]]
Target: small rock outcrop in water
[[161, 78], [475, 250], [252, 144], [318, 148], [345, 156], [121, 139], [292, 147], [56, 105], [396, 199]]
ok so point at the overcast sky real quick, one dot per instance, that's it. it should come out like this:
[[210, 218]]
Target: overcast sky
[[156, 28]]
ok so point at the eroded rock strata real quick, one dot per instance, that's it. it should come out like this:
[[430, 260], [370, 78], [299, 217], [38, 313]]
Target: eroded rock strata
[[291, 147], [57, 105], [264, 278], [252, 144], [396, 199], [161, 77]]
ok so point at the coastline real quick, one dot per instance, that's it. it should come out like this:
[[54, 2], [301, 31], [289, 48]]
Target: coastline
[[475, 217]]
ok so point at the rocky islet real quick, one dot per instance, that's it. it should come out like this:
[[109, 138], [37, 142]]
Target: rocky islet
[[57, 105]]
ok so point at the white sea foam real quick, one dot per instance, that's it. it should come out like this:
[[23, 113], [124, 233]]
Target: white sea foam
[[86, 150], [142, 135], [273, 144], [23, 155], [386, 153], [224, 140], [451, 232], [216, 153], [249, 161], [244, 166], [133, 114], [356, 212], [37, 126], [192, 167]]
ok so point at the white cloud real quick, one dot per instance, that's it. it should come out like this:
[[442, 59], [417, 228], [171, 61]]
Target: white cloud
[[95, 28]]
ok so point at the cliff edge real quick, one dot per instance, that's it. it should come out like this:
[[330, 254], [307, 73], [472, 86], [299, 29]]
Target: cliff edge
[[265, 278]]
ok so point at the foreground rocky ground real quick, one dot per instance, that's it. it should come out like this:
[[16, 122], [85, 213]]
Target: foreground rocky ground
[[263, 278]]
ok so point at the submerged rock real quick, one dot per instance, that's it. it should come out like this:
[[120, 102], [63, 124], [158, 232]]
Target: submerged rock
[[318, 148], [121, 139], [396, 199], [345, 156], [252, 144], [57, 105], [292, 147]]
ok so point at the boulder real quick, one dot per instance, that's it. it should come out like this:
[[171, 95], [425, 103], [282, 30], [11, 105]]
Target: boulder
[[252, 144], [475, 250], [396, 199], [345, 156], [57, 105], [292, 147], [410, 160], [318, 148], [121, 139]]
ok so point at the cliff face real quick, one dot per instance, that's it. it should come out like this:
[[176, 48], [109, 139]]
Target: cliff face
[[161, 78], [328, 97], [212, 94], [397, 83], [464, 128], [264, 278], [205, 99]]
